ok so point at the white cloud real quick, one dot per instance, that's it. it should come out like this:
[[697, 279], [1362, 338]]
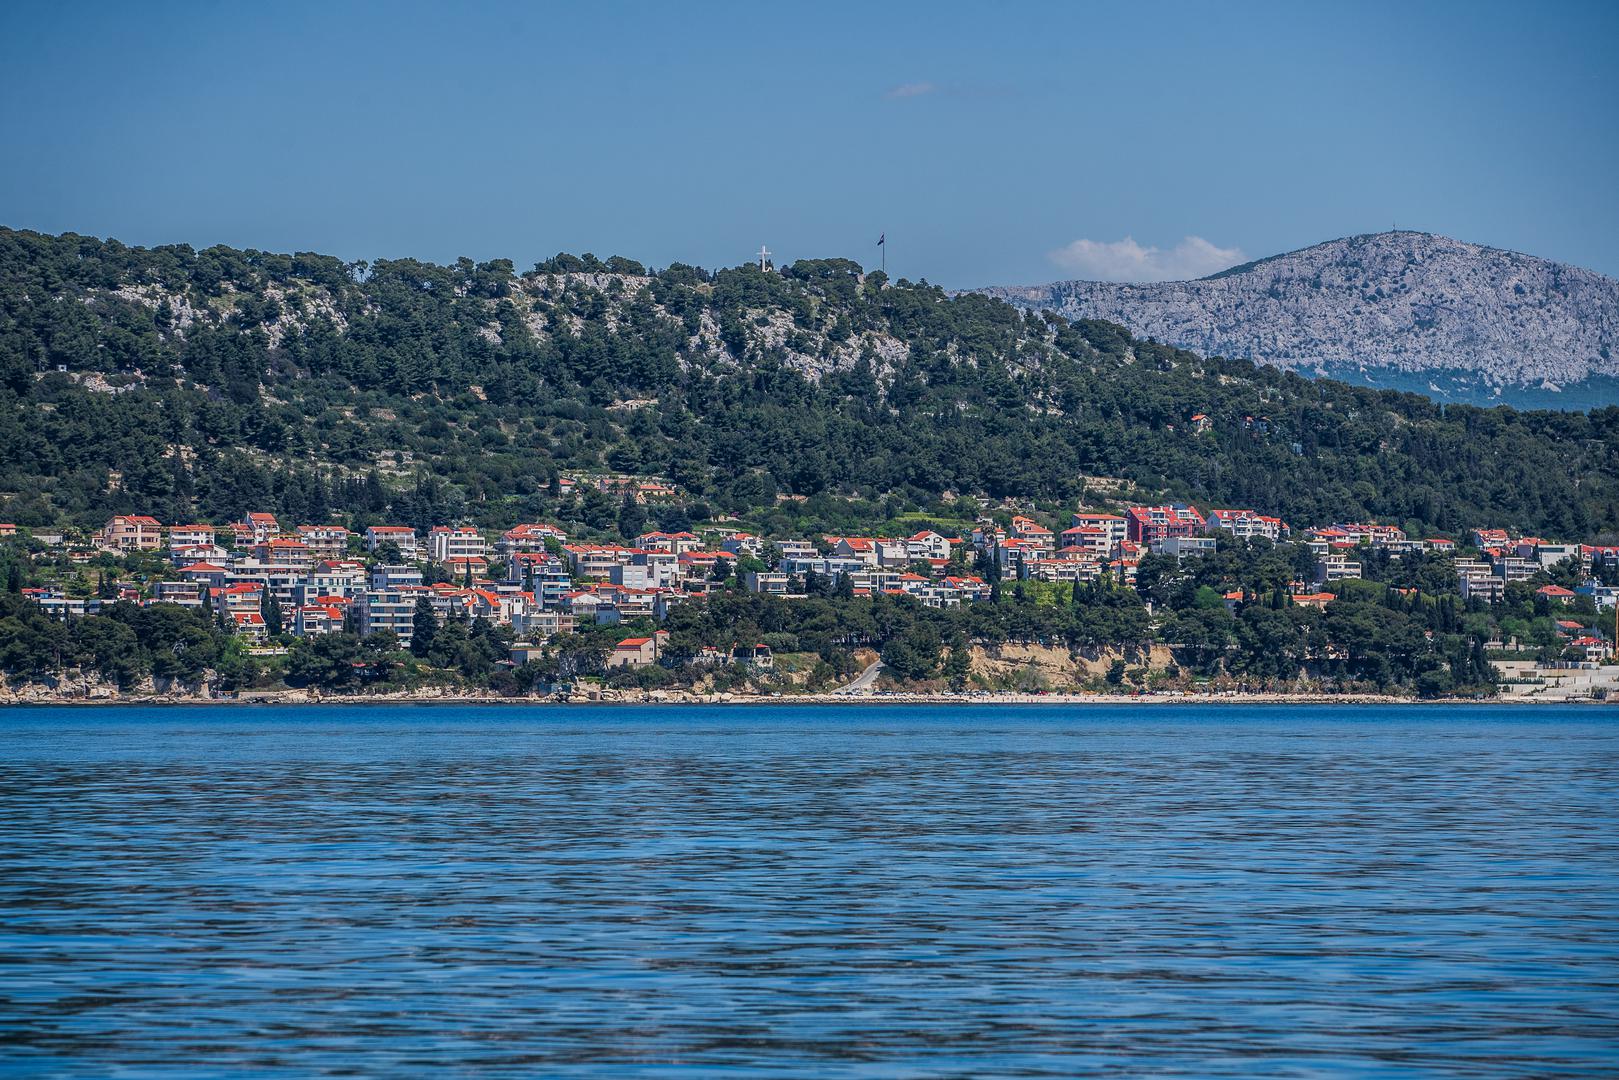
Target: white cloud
[[1126, 260], [910, 90]]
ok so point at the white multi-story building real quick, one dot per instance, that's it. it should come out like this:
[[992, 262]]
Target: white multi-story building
[[462, 542], [771, 584], [184, 593], [404, 538], [928, 545], [1336, 566], [629, 575], [1490, 589], [1370, 532], [676, 543], [190, 536], [1512, 568], [1477, 579], [662, 568], [260, 527], [386, 576], [893, 552], [1184, 547], [277, 580], [596, 560], [335, 578], [1549, 555], [1088, 539], [1246, 524], [313, 620], [325, 541], [528, 538], [742, 543], [391, 610], [192, 554], [1114, 527], [1062, 570], [537, 625], [830, 567]]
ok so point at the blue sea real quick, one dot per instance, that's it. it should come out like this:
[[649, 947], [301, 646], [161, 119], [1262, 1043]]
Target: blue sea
[[860, 891]]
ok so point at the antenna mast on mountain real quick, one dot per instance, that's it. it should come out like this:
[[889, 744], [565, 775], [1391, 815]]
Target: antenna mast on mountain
[[764, 253]]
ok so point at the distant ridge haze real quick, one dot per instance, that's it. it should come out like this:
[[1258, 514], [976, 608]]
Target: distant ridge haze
[[1457, 320]]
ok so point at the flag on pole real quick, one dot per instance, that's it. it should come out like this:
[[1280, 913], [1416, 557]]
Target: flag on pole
[[882, 238]]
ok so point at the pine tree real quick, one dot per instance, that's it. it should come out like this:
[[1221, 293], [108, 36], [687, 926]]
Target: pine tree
[[424, 628], [958, 665], [631, 518]]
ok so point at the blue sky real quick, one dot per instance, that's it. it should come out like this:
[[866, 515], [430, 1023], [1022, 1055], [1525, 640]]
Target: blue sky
[[994, 144]]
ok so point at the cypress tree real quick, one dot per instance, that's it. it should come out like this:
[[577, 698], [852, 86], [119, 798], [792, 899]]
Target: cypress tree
[[424, 628]]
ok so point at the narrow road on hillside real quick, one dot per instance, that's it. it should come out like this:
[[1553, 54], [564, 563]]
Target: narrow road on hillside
[[863, 681]]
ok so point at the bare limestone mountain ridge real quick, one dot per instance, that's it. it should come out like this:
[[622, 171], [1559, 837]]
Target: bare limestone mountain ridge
[[1414, 310]]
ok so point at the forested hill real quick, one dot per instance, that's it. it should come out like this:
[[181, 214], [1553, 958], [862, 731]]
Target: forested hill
[[1460, 321], [200, 384]]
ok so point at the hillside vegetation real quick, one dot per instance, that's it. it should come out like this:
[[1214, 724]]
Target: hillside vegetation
[[202, 384]]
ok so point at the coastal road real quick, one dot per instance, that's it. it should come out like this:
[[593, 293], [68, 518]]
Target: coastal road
[[864, 681]]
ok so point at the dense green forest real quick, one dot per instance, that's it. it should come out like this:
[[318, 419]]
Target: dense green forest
[[201, 384]]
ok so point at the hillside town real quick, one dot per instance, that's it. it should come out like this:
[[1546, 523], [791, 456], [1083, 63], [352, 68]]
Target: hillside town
[[266, 580]]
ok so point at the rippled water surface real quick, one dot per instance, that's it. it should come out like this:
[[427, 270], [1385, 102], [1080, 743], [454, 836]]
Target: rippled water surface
[[856, 891]]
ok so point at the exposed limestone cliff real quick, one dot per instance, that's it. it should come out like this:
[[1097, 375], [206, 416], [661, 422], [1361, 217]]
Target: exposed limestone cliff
[[1404, 302]]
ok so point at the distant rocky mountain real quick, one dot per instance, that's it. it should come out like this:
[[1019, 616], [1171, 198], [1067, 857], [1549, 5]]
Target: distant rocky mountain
[[1408, 310]]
